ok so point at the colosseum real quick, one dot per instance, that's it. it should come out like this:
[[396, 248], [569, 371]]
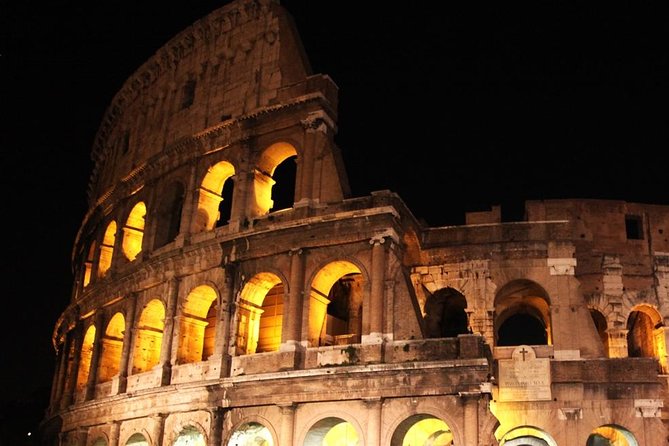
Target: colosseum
[[230, 290]]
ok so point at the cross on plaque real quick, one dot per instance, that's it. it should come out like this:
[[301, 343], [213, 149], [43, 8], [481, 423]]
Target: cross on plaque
[[523, 352]]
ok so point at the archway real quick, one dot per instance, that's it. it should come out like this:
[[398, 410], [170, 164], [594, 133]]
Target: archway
[[251, 434], [190, 436], [335, 304], [263, 182], [332, 431], [133, 232], [107, 249], [85, 357], [445, 314], [527, 436], [215, 197], [611, 435], [601, 326], [149, 337], [111, 348], [168, 215], [197, 325], [137, 440], [260, 314], [645, 335], [522, 309], [422, 429]]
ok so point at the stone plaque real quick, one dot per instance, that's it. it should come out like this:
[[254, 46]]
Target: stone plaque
[[524, 377]]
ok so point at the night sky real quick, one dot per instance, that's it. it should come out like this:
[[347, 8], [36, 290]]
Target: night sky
[[456, 108]]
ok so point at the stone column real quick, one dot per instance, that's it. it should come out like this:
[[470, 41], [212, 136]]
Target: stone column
[[617, 341], [95, 356], [125, 366], [570, 415], [305, 180], [471, 417], [287, 423], [221, 354], [376, 290], [114, 432], [243, 185], [71, 380], [293, 309], [61, 373], [216, 428], [374, 406], [170, 331], [158, 427]]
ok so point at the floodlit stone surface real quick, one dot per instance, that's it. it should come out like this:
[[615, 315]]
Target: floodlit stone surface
[[208, 311]]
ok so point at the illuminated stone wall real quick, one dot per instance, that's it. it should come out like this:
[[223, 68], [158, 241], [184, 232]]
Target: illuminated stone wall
[[208, 311]]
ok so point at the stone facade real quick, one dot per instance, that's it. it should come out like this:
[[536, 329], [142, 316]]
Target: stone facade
[[209, 309]]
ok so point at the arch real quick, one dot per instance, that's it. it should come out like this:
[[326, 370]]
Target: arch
[[88, 264], [111, 348], [190, 436], [527, 436], [522, 310], [100, 441], [197, 325], [168, 214], [251, 434], [137, 439], [149, 337], [133, 231], [332, 431], [611, 435], [445, 314], [107, 249], [422, 429], [85, 357], [601, 326], [645, 335], [212, 196], [335, 304], [263, 181], [283, 192], [260, 314]]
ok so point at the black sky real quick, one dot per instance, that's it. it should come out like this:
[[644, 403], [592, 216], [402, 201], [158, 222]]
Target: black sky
[[456, 106]]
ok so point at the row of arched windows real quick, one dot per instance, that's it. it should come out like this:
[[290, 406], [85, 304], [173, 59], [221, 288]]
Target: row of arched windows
[[213, 208], [418, 429]]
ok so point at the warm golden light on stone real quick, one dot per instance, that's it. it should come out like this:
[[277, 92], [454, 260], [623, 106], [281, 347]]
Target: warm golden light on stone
[[342, 434], [432, 431], [149, 337], [194, 325], [210, 197], [263, 182], [250, 313], [85, 359], [133, 231], [112, 345], [107, 249]]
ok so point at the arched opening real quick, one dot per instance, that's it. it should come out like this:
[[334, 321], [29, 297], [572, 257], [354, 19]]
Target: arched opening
[[88, 264], [283, 192], [133, 231], [264, 182], [527, 436], [522, 310], [197, 326], [645, 335], [251, 434], [445, 314], [85, 357], [112, 346], [332, 431], [190, 436], [149, 337], [168, 215], [422, 429], [335, 305], [100, 441], [611, 435], [137, 440], [260, 315], [107, 249], [215, 197], [601, 327]]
